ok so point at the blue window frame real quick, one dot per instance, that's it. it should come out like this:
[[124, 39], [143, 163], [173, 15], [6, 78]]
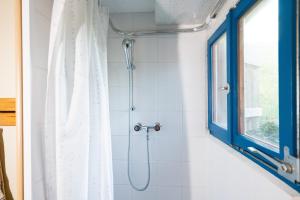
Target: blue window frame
[[221, 132], [259, 151]]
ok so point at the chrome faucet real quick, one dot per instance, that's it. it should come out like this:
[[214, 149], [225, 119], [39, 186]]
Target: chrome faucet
[[139, 127]]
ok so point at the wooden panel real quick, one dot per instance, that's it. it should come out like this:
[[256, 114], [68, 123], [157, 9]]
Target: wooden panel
[[19, 103], [7, 112], [7, 119], [7, 104]]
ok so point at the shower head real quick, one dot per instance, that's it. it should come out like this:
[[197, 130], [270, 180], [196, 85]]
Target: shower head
[[127, 45]]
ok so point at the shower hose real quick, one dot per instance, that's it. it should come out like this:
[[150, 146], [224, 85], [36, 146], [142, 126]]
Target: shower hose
[[131, 109]]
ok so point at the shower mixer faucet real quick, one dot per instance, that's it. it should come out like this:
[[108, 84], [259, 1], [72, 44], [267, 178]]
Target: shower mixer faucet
[[139, 127]]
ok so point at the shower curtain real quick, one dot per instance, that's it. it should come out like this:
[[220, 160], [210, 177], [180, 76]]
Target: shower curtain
[[77, 140]]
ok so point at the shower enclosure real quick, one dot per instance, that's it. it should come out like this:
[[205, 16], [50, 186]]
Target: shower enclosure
[[154, 75]]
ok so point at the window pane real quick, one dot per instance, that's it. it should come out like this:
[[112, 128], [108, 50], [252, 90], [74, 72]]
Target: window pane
[[219, 68], [258, 73]]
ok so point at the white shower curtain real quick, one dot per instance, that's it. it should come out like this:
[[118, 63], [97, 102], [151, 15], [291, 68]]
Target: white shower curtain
[[77, 141]]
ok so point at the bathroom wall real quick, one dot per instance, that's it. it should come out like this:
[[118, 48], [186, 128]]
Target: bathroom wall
[[8, 89], [40, 15], [171, 88]]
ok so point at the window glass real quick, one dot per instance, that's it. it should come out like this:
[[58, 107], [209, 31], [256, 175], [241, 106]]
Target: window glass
[[219, 68], [258, 73]]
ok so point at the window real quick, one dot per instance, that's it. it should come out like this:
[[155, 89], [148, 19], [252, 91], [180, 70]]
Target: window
[[252, 93], [219, 101], [258, 73], [219, 70]]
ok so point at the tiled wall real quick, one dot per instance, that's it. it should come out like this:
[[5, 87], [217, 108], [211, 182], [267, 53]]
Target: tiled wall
[[170, 88], [40, 15]]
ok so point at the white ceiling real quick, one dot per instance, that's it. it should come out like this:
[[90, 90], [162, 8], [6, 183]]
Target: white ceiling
[[182, 11], [121, 6], [166, 11]]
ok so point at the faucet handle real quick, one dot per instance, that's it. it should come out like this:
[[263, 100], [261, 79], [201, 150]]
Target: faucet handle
[[157, 126], [137, 127]]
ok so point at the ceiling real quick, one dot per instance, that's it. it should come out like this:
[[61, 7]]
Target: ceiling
[[166, 11], [182, 11], [121, 6]]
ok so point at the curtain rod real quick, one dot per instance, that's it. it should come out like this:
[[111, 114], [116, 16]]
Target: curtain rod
[[197, 28]]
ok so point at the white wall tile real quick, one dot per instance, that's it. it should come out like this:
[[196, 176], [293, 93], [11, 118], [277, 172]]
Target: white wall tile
[[168, 174], [172, 193], [119, 122], [120, 172], [171, 123], [145, 50], [167, 149], [169, 99], [119, 147], [195, 193], [139, 147], [118, 98], [144, 99], [145, 117], [122, 192], [114, 50], [139, 173], [145, 75], [168, 49], [149, 194], [168, 75], [117, 74]]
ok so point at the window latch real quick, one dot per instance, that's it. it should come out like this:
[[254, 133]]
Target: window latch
[[288, 168], [225, 88]]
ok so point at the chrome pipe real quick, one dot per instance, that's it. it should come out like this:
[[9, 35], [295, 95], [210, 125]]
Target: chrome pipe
[[197, 28], [158, 31]]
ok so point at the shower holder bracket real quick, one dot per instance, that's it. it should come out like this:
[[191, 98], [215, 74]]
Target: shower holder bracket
[[132, 67]]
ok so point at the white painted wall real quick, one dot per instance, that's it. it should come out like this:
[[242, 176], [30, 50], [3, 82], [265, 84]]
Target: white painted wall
[[171, 87], [40, 16], [8, 87]]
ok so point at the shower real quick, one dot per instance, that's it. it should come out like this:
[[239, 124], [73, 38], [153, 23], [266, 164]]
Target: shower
[[128, 45]]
